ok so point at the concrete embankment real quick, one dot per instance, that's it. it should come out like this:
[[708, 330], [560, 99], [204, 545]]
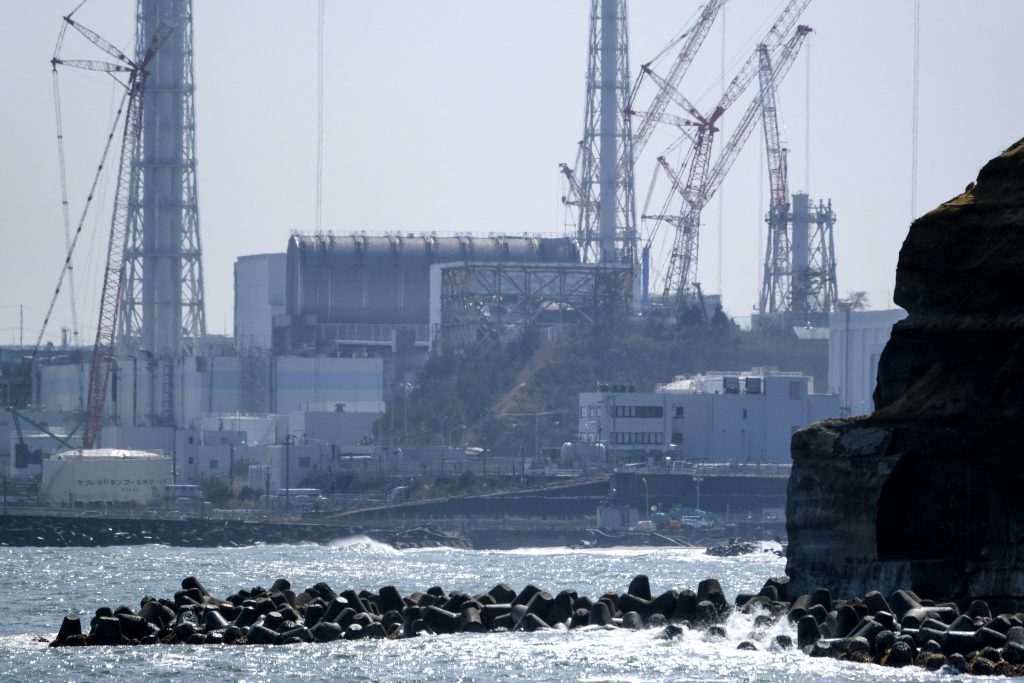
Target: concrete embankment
[[41, 530]]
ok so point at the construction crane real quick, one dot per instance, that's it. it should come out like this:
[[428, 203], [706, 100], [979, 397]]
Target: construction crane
[[776, 284], [127, 182], [701, 179], [692, 38]]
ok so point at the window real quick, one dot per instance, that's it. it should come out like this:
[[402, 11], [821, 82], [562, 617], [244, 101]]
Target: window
[[744, 413], [214, 464], [639, 411], [679, 411], [304, 462], [190, 460], [677, 438], [639, 438]]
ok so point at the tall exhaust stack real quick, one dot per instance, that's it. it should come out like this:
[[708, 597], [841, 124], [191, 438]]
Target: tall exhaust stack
[[607, 221], [163, 313]]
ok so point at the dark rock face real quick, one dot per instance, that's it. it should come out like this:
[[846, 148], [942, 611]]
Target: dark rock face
[[925, 492]]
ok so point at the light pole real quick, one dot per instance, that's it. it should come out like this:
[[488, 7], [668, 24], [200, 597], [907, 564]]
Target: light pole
[[845, 408], [135, 388], [287, 471], [406, 390], [696, 482], [647, 497]]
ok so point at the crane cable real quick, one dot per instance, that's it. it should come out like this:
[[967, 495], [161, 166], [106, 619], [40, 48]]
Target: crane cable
[[85, 209], [914, 113], [65, 209], [319, 113], [807, 118]]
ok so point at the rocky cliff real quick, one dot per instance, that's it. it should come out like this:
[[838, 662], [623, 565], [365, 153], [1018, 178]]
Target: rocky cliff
[[928, 492]]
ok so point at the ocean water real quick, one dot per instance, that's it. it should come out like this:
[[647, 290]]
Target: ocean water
[[38, 586]]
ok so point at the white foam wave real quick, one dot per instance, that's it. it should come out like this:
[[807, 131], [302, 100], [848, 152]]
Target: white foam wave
[[363, 543]]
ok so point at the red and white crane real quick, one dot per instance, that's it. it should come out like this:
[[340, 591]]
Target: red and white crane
[[127, 182]]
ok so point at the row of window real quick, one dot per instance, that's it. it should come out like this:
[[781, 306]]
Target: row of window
[[638, 411], [637, 437], [629, 411]]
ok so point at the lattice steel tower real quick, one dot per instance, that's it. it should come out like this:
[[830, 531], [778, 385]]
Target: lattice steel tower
[[603, 176], [163, 307]]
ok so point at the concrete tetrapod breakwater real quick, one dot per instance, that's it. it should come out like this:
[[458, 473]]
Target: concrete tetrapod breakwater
[[897, 631]]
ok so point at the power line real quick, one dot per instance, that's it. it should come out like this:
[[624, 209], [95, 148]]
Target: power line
[[807, 120], [319, 112], [914, 129], [721, 195]]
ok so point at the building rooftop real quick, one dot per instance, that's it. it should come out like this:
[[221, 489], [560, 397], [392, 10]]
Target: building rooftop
[[119, 453], [712, 381]]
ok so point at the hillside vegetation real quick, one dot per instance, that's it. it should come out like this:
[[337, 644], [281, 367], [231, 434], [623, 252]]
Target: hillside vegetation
[[509, 397]]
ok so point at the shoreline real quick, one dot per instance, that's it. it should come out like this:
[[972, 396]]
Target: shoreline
[[72, 531]]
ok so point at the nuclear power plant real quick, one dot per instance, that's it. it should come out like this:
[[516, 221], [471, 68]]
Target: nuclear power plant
[[332, 329]]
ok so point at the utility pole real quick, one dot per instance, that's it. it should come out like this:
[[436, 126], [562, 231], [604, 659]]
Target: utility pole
[[287, 471]]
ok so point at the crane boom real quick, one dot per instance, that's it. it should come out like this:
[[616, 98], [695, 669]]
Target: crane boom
[[703, 182], [773, 39], [695, 36], [782, 64], [99, 41], [113, 275]]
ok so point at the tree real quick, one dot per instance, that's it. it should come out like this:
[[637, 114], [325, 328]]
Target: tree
[[855, 301]]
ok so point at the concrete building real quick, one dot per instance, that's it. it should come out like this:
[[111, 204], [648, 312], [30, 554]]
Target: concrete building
[[218, 385], [744, 417], [855, 343], [259, 297], [358, 291]]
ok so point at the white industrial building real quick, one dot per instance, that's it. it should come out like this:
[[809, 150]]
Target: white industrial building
[[855, 343], [104, 475], [219, 385], [747, 417], [316, 400]]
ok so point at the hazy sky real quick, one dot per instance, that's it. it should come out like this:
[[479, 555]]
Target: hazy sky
[[452, 115]]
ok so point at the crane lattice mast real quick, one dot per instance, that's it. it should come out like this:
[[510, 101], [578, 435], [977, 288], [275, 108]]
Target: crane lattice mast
[[776, 285]]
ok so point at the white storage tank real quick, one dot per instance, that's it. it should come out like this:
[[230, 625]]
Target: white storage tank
[[105, 475]]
